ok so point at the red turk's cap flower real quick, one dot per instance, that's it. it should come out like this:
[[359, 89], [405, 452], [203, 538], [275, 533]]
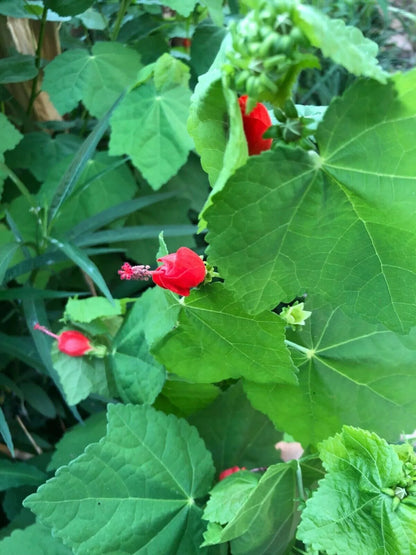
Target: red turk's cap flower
[[229, 471], [180, 271], [72, 342], [255, 124]]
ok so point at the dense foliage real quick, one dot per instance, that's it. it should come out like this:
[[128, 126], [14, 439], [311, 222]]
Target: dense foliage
[[198, 263]]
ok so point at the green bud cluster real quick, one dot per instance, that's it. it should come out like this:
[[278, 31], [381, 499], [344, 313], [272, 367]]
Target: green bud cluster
[[291, 127], [405, 491], [267, 52]]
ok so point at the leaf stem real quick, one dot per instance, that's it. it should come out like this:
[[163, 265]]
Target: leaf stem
[[304, 350], [38, 59], [19, 184], [299, 481], [124, 4]]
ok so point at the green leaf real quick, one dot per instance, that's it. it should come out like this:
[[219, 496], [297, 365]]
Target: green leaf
[[344, 44], [216, 126], [215, 9], [138, 376], [7, 252], [183, 7], [68, 7], [16, 69], [267, 520], [80, 259], [206, 42], [235, 433], [147, 472], [86, 310], [343, 359], [36, 540], [214, 330], [25, 9], [150, 126], [36, 397], [9, 135], [73, 76], [39, 152], [339, 225], [350, 513], [80, 376], [228, 496], [185, 398], [5, 432], [15, 474], [76, 439]]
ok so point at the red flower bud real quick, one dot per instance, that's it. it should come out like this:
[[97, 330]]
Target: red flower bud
[[180, 271], [72, 342], [255, 124], [229, 471]]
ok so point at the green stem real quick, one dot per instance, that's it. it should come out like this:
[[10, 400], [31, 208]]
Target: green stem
[[297, 347], [19, 184], [299, 481], [124, 4], [38, 60]]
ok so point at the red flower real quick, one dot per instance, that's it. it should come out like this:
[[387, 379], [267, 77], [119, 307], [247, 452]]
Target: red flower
[[72, 342], [229, 471], [180, 271], [255, 124]]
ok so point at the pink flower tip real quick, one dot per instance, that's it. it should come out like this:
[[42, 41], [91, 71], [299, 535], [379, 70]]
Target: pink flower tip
[[230, 471]]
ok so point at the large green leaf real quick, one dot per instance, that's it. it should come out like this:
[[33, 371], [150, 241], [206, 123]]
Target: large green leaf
[[344, 44], [215, 339], [150, 123], [235, 433], [138, 376], [68, 7], [266, 521], [17, 68], [36, 540], [5, 432], [138, 485], [350, 513], [339, 225], [350, 372], [73, 77]]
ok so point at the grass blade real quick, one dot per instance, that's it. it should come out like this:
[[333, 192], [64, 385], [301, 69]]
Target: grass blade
[[5, 432], [79, 258], [111, 214], [134, 233], [85, 152]]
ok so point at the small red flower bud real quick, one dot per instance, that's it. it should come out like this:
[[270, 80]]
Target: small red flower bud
[[72, 342], [229, 471], [180, 271], [255, 124]]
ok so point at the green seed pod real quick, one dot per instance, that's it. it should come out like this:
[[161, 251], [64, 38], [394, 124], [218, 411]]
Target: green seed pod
[[241, 79], [267, 46], [252, 86], [395, 504], [268, 83], [388, 491], [410, 500]]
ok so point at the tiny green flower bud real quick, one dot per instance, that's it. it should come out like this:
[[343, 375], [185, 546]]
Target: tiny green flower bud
[[295, 315]]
